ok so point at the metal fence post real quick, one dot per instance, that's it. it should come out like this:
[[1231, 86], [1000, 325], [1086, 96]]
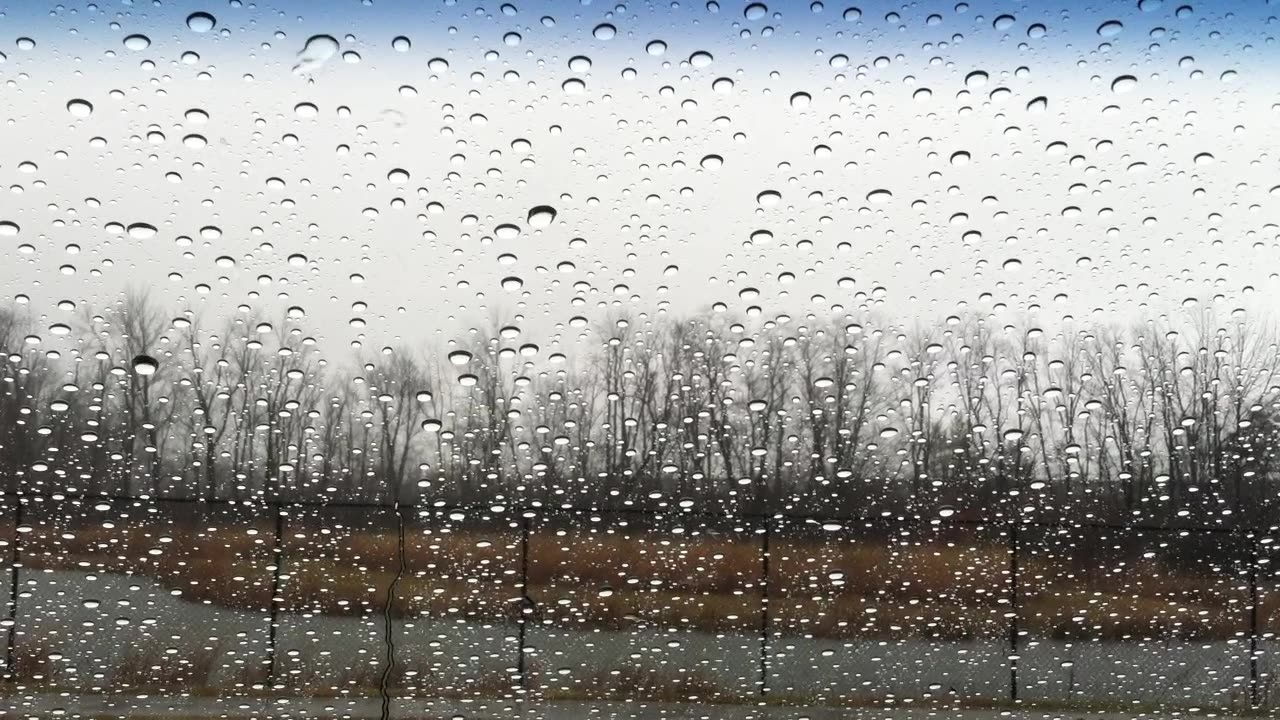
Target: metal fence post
[[764, 608], [15, 557], [1253, 620], [526, 602], [1014, 599], [277, 559]]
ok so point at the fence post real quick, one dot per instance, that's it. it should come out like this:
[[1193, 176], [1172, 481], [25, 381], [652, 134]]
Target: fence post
[[277, 555], [764, 608], [1014, 599], [526, 602], [1253, 620], [15, 557]]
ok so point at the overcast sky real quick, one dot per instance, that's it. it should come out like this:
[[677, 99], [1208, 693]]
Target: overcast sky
[[1085, 159]]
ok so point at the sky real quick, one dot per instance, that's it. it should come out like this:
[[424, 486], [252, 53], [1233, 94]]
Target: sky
[[401, 172]]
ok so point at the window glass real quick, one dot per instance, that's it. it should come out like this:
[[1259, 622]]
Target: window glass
[[615, 359]]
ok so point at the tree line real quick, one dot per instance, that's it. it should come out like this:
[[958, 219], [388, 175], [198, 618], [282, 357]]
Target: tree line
[[1164, 420]]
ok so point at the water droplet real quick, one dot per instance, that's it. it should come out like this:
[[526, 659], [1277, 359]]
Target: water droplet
[[507, 231], [656, 48], [141, 231], [946, 511], [305, 110], [1204, 158], [317, 50], [701, 59], [574, 86], [960, 158], [604, 31], [541, 216], [194, 141], [711, 162], [80, 108], [137, 42], [401, 43], [398, 176], [1037, 31], [201, 22], [1110, 28], [852, 14], [1003, 22], [769, 198], [755, 11], [8, 228], [976, 79], [1124, 84], [1038, 104], [800, 100], [512, 39], [879, 196], [145, 365], [459, 357]]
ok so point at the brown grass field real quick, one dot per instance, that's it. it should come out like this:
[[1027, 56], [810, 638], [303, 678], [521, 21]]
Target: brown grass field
[[610, 577]]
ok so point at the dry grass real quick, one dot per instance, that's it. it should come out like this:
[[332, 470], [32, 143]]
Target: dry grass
[[31, 663], [223, 565], [152, 666], [597, 578], [637, 684]]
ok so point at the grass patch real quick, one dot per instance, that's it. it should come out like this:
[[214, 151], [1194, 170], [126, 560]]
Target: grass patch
[[610, 579]]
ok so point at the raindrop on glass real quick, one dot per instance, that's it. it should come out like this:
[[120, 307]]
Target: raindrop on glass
[[201, 22], [80, 108], [541, 216], [137, 42], [145, 365]]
